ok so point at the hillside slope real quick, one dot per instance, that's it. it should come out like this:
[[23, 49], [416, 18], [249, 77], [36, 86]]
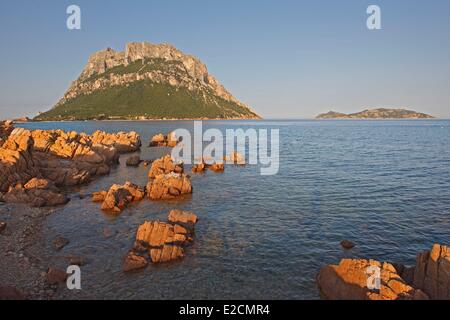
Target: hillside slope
[[146, 81]]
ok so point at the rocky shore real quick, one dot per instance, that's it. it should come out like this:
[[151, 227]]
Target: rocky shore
[[37, 165]]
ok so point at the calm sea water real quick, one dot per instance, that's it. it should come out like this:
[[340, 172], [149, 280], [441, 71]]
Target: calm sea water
[[383, 184]]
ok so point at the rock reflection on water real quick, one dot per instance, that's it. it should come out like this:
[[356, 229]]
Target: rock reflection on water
[[381, 184]]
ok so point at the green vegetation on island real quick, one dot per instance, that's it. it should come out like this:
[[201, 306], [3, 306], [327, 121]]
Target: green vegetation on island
[[146, 82]]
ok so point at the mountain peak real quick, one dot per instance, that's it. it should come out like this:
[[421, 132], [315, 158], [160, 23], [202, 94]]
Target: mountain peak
[[159, 81]]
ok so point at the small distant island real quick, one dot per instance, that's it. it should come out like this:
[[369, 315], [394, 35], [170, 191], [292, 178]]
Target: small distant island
[[380, 113]]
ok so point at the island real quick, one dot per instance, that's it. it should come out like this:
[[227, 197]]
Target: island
[[145, 82], [380, 113]]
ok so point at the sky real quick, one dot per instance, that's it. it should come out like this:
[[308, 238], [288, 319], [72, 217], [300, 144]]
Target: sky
[[286, 59]]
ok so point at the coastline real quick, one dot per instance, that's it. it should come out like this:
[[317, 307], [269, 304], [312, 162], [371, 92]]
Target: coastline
[[147, 120], [238, 119]]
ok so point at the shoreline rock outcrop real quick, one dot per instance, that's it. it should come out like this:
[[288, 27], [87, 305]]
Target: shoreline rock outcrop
[[429, 279], [36, 164]]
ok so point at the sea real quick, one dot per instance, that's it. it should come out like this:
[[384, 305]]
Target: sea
[[384, 185]]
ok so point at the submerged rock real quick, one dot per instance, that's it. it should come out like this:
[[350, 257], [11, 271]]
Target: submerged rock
[[55, 276], [60, 242], [133, 161], [134, 262], [11, 293], [347, 244]]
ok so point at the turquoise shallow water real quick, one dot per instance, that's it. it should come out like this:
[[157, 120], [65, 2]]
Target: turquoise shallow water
[[383, 184]]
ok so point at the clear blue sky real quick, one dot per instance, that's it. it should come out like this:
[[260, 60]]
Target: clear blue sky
[[291, 59]]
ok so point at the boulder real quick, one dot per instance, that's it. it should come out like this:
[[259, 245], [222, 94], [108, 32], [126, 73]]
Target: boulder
[[157, 234], [168, 186], [186, 219], [216, 167], [133, 161], [166, 253], [160, 140], [349, 281], [134, 262], [77, 261], [118, 197], [172, 140], [55, 276], [161, 242], [432, 272], [99, 196], [157, 140], [235, 158], [200, 167], [165, 165], [146, 163]]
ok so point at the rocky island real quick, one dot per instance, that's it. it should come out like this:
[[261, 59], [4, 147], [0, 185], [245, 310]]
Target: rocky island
[[380, 113], [146, 81]]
